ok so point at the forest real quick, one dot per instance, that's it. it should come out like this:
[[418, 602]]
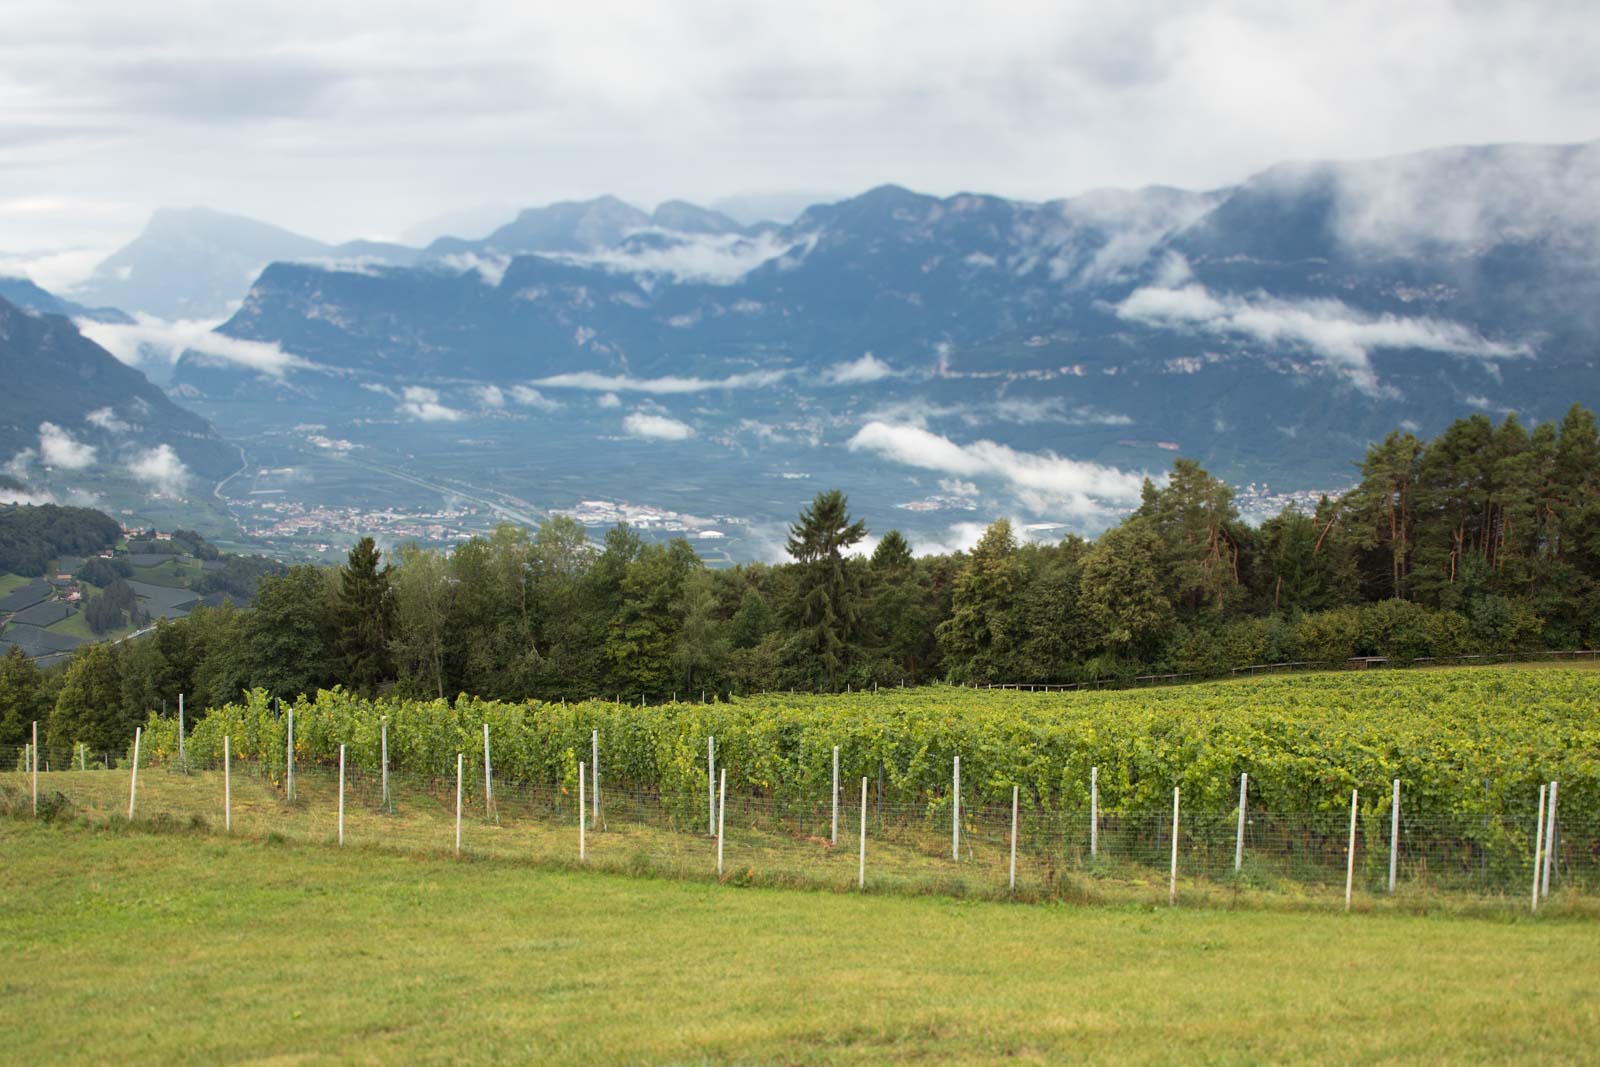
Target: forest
[[1485, 539]]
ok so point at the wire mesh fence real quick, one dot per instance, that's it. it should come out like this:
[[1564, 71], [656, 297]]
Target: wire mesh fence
[[1027, 850]]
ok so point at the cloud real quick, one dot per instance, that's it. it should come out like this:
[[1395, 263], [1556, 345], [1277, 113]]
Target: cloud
[[719, 259], [491, 267], [491, 396], [168, 339], [529, 397], [423, 404], [1041, 481], [656, 427], [957, 487], [107, 420], [162, 470], [667, 386], [608, 400], [59, 449], [866, 368], [1341, 338]]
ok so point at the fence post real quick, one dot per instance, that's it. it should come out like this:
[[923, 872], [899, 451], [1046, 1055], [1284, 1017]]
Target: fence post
[[1394, 836], [341, 794], [1549, 840], [595, 742], [835, 834], [183, 759], [385, 736], [955, 814], [711, 785], [1350, 854], [458, 803], [861, 876], [1013, 839], [133, 783], [488, 780], [288, 778], [722, 818], [1172, 877], [1238, 841], [1538, 847], [33, 766], [227, 785], [83, 756], [582, 844], [1094, 812]]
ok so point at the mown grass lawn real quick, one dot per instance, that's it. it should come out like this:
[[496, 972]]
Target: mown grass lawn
[[127, 945]]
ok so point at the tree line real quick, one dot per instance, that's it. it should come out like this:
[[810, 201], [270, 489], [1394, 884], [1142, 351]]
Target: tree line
[[1484, 539]]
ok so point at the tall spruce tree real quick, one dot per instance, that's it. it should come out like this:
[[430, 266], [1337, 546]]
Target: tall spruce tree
[[365, 611], [828, 598]]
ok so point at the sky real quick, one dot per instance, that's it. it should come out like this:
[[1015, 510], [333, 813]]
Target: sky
[[365, 120]]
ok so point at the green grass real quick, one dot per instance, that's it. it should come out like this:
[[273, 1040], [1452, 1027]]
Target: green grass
[[172, 574], [10, 583], [136, 947]]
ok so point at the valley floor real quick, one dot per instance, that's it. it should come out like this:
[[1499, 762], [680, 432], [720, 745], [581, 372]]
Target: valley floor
[[125, 945]]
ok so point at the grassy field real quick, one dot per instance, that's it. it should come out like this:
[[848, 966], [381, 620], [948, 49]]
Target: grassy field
[[10, 583], [123, 945]]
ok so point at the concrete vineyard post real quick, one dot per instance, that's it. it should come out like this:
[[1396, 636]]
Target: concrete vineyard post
[[722, 817], [227, 785], [83, 757], [1172, 877], [183, 760], [33, 766], [1538, 847], [583, 851], [711, 785], [384, 735], [861, 874], [1350, 854], [594, 741], [1549, 841], [1013, 839], [133, 783], [341, 794], [1094, 812], [835, 835], [955, 813], [1394, 835], [488, 780], [458, 803], [1238, 841], [288, 777]]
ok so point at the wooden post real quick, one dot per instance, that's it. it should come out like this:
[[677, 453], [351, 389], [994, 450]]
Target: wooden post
[[861, 876], [1350, 854], [583, 852], [1013, 839], [1394, 836], [1094, 812], [1549, 840], [1538, 847], [227, 785], [722, 818], [1238, 841], [341, 794], [835, 836], [133, 783], [1172, 878], [955, 813], [458, 803]]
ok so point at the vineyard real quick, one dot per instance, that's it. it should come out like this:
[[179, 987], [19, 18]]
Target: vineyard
[[1469, 747]]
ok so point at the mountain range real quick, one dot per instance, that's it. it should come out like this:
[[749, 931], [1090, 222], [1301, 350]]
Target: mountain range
[[1037, 356]]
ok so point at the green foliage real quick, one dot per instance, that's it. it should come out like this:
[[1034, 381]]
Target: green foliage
[[25, 698], [30, 537], [828, 601], [364, 618]]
